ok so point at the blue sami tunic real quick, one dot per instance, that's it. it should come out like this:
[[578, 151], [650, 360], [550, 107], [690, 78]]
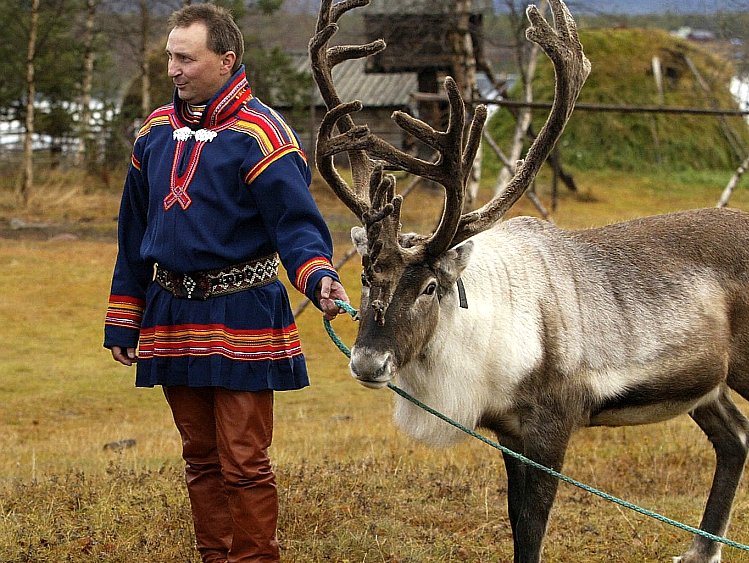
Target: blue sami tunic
[[233, 187]]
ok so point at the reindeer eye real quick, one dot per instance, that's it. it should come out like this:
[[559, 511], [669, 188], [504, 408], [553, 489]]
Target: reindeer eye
[[430, 289]]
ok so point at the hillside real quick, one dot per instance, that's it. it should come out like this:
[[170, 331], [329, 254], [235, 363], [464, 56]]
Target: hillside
[[622, 74]]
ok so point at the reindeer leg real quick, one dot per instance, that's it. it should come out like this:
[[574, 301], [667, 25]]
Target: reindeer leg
[[728, 430], [515, 485], [546, 443]]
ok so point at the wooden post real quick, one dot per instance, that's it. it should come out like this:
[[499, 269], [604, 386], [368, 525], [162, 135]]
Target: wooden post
[[732, 183]]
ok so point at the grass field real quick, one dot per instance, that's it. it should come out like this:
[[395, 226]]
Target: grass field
[[352, 487]]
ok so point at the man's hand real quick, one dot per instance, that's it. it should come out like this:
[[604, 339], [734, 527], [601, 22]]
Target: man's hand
[[328, 290], [126, 356]]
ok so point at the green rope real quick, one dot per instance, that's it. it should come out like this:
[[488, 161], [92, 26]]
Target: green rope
[[343, 348]]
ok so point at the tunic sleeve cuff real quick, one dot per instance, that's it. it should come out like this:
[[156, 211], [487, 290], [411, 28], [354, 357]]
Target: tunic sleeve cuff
[[309, 276], [122, 323]]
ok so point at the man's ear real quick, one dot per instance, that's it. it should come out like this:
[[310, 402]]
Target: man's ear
[[228, 60]]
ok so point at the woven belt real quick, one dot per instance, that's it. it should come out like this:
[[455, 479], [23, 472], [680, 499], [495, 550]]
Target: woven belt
[[222, 281]]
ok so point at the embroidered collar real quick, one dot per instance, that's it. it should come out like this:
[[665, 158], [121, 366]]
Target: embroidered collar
[[223, 106], [193, 113]]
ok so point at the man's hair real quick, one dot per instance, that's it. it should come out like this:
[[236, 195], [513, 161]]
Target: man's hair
[[223, 33]]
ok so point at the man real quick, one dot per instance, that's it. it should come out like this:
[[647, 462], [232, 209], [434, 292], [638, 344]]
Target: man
[[216, 195]]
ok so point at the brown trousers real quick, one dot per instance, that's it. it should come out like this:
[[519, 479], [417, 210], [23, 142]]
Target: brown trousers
[[230, 482]]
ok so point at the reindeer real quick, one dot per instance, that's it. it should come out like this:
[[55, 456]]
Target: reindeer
[[626, 324]]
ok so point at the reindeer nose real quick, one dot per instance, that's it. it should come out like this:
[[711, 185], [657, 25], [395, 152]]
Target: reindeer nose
[[371, 368]]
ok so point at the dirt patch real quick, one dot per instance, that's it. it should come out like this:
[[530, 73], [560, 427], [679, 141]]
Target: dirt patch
[[20, 229]]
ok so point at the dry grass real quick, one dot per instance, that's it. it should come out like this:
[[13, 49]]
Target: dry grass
[[352, 487]]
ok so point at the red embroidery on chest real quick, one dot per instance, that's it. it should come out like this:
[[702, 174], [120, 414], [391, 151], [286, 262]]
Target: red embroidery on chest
[[179, 183]]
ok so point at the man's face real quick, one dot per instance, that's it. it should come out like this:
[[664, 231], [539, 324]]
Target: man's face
[[197, 72]]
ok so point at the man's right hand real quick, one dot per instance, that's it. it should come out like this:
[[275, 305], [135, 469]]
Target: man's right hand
[[126, 356]]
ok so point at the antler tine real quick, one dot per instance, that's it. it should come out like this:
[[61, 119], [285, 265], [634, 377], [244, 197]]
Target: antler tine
[[444, 143], [329, 145], [571, 68], [323, 59], [451, 168], [341, 8], [474, 139], [381, 186], [383, 227]]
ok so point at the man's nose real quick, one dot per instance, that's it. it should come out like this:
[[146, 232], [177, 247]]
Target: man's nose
[[172, 69]]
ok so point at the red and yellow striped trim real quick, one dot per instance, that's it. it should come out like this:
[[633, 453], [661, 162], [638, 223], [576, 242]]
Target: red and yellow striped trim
[[305, 272], [234, 96], [124, 311], [268, 160], [206, 340], [161, 116]]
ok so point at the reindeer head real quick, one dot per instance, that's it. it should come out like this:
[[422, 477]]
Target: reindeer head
[[406, 277]]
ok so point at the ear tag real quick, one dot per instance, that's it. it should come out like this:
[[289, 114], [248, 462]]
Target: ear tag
[[462, 294]]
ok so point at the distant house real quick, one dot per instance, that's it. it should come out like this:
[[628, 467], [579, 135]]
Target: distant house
[[691, 34], [381, 95], [417, 34]]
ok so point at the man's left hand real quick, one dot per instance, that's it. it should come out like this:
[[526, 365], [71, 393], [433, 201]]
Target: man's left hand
[[328, 290]]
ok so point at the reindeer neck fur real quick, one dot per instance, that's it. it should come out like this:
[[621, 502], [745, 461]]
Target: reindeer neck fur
[[500, 329]]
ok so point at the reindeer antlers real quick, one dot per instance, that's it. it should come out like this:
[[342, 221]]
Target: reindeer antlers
[[571, 68], [373, 198], [323, 60], [455, 156], [560, 43]]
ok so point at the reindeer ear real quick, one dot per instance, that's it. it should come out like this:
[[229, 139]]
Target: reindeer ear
[[451, 264], [359, 238]]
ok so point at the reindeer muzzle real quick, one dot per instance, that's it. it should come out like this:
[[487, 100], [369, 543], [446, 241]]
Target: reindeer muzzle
[[370, 368]]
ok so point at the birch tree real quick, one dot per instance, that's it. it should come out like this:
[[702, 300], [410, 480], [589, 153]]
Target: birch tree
[[145, 65], [527, 69], [89, 36], [27, 167]]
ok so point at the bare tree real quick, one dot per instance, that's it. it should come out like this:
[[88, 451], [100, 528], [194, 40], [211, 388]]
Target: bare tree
[[27, 175], [89, 35], [136, 27], [527, 69], [732, 183], [145, 65]]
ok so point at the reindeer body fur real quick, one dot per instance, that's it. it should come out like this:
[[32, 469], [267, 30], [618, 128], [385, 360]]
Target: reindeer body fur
[[627, 324], [614, 316]]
